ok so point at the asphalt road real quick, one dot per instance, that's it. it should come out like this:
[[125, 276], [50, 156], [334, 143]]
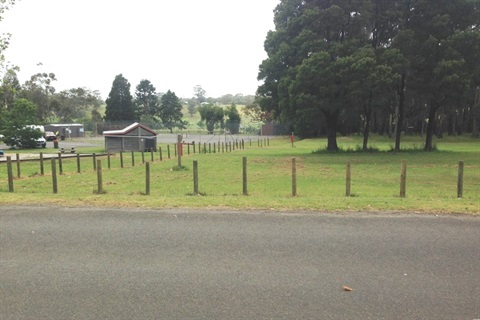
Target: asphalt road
[[66, 263]]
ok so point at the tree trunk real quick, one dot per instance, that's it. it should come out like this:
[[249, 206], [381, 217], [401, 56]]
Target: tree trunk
[[368, 120], [400, 114], [331, 121], [430, 127]]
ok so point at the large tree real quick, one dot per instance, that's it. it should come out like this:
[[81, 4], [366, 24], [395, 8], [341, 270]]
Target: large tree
[[170, 111], [146, 99], [438, 76], [39, 89], [16, 124], [119, 104], [306, 70], [212, 115], [232, 123], [72, 104]]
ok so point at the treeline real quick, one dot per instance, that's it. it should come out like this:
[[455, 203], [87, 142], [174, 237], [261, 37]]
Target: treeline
[[338, 66]]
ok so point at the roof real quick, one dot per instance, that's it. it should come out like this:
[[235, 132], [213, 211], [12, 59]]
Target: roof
[[65, 125], [126, 130]]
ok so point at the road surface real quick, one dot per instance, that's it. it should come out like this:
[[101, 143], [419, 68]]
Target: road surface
[[70, 263]]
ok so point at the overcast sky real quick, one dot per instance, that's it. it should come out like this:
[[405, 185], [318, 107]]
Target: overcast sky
[[217, 44]]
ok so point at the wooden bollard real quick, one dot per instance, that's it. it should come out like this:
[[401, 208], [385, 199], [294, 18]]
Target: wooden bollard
[[10, 174], [133, 158], [94, 160], [121, 159], [60, 165], [168, 151], [403, 179], [108, 161], [460, 180], [294, 177], [348, 179], [78, 163], [147, 178], [195, 177], [160, 151], [179, 148], [151, 154], [99, 177], [18, 166], [245, 190], [42, 168], [54, 176], [193, 143]]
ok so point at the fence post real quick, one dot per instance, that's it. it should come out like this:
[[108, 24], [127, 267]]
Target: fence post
[[133, 158], [160, 151], [18, 166], [294, 177], [179, 150], [42, 168], [99, 177], [349, 179], [94, 159], [151, 154], [143, 156], [195, 177], [108, 161], [245, 191], [10, 174], [147, 178], [460, 180], [121, 159], [54, 176], [168, 151], [78, 163], [403, 179], [60, 165]]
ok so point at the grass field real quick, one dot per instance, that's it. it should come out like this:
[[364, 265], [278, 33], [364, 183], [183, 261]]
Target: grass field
[[431, 179]]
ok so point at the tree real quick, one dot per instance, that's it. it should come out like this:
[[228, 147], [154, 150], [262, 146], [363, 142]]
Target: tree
[[10, 86], [170, 111], [199, 94], [39, 89], [119, 104], [438, 75], [72, 104], [192, 107], [306, 72], [233, 120], [146, 99], [16, 124], [211, 115]]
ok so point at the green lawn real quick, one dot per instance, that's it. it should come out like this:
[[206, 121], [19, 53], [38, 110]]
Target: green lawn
[[375, 186]]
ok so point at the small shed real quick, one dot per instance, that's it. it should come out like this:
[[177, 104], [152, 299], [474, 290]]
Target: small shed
[[66, 130], [135, 137]]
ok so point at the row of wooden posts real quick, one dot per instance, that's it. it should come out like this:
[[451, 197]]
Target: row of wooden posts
[[98, 168], [185, 148]]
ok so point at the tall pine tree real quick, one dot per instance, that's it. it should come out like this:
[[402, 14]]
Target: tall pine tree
[[119, 102]]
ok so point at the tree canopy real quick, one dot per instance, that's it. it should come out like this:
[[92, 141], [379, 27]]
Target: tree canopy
[[170, 111], [334, 65], [119, 104]]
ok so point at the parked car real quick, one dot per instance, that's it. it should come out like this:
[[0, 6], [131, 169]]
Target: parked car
[[50, 136]]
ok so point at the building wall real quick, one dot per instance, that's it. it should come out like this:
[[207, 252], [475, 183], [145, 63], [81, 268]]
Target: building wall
[[126, 143]]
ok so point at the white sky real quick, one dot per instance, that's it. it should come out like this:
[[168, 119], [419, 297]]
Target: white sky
[[176, 44]]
